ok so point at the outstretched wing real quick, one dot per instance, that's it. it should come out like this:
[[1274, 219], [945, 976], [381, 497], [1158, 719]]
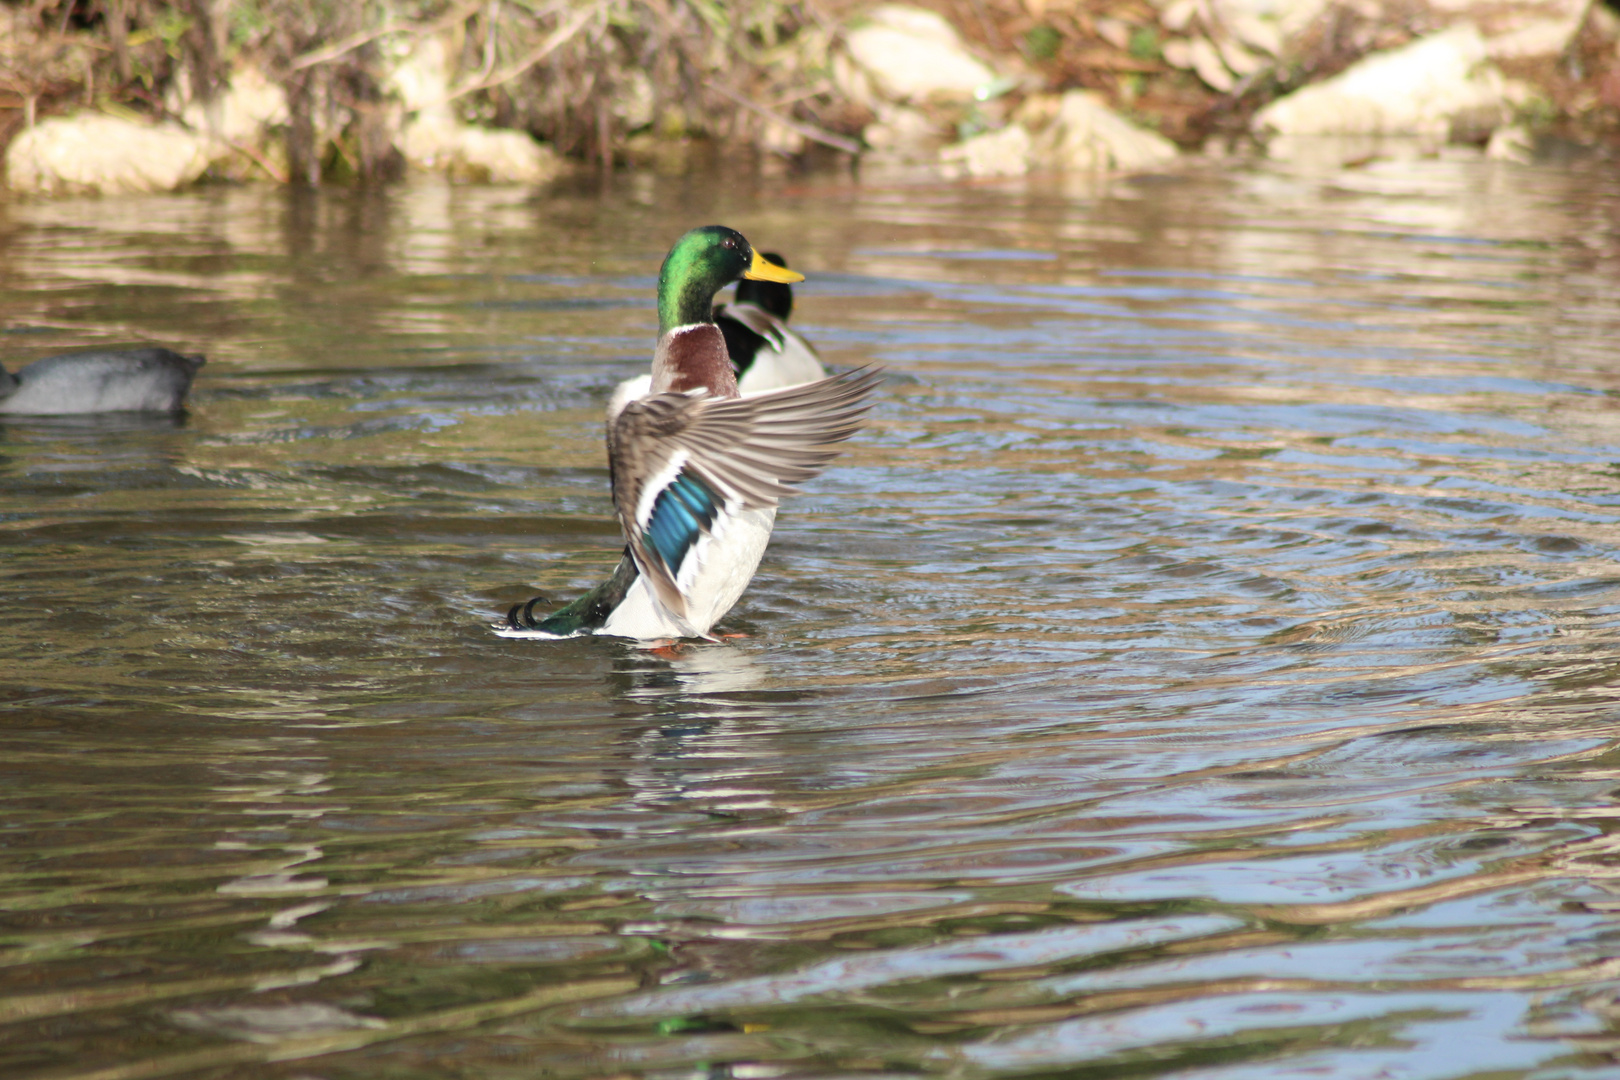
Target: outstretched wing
[[682, 463]]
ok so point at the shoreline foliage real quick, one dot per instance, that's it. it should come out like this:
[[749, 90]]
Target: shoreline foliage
[[610, 81], [582, 75]]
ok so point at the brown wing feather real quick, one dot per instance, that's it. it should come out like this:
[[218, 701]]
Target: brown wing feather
[[751, 449]]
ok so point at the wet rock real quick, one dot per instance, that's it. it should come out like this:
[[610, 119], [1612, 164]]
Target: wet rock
[[905, 54], [435, 139], [1421, 89], [1072, 133], [1078, 132], [997, 153], [421, 76], [1511, 143], [239, 124], [96, 154], [904, 133], [465, 152], [1521, 29], [242, 113], [1541, 37], [777, 138]]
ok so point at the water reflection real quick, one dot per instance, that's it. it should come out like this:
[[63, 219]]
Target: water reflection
[[689, 672], [1201, 666]]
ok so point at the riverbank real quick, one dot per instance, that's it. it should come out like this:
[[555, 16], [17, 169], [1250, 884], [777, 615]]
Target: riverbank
[[135, 95]]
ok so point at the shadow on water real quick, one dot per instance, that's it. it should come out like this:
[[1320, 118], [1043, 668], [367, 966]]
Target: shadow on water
[[1201, 666]]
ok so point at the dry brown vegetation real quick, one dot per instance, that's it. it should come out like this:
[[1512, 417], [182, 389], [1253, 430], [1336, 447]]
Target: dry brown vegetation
[[597, 78], [583, 75]]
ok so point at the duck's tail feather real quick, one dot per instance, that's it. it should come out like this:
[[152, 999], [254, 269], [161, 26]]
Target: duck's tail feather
[[584, 616]]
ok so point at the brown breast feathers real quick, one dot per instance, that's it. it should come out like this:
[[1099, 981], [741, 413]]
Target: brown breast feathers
[[694, 358]]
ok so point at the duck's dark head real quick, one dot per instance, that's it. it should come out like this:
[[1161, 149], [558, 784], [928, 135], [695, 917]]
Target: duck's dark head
[[703, 262]]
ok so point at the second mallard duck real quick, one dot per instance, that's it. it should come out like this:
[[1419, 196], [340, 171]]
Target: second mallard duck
[[767, 353], [697, 468]]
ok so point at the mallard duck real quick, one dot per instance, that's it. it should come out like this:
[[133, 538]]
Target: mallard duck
[[766, 353], [697, 469], [100, 380]]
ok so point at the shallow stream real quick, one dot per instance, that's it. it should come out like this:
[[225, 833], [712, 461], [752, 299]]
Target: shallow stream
[[1204, 665]]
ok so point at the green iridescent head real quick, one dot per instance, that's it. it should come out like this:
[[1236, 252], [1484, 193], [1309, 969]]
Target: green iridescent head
[[703, 262]]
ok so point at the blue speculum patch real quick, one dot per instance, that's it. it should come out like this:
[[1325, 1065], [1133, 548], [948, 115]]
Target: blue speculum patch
[[681, 513]]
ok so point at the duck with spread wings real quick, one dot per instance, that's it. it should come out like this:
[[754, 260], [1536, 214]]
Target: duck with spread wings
[[697, 469]]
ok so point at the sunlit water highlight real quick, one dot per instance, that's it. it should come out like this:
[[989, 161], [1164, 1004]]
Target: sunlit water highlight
[[1203, 664]]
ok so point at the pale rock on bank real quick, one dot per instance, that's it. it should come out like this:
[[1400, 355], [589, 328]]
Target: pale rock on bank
[[467, 152], [93, 153], [912, 70], [1008, 152], [97, 154], [908, 55], [1072, 133], [1518, 29], [242, 114], [1422, 91], [433, 138], [1086, 135]]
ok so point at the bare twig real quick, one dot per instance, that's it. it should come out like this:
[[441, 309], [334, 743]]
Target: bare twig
[[809, 131], [800, 95], [354, 41], [347, 45], [991, 34], [555, 41], [278, 175], [489, 40]]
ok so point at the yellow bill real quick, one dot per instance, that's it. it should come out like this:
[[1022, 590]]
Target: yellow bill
[[762, 269]]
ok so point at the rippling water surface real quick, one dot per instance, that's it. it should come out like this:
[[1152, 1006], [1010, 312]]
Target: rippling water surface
[[1202, 666]]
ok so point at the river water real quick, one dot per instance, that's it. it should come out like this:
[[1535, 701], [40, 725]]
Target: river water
[[1203, 665]]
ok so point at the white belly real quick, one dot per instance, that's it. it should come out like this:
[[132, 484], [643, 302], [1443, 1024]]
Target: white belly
[[626, 392], [772, 370], [712, 580], [640, 616]]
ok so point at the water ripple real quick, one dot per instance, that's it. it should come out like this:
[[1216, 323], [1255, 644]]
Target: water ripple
[[1202, 665]]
